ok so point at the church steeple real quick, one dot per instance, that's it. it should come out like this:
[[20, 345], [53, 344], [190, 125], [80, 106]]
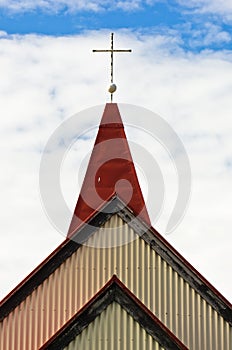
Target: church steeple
[[110, 172], [136, 293]]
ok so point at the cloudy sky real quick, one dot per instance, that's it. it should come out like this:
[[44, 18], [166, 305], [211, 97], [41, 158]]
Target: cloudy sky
[[180, 68]]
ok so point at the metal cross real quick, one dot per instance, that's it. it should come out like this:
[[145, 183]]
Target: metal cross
[[112, 58]]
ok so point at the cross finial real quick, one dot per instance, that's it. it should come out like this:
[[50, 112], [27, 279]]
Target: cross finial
[[112, 88]]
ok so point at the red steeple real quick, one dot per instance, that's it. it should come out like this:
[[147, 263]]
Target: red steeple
[[110, 171]]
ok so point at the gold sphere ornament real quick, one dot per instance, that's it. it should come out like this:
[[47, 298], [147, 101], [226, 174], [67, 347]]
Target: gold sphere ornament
[[112, 88]]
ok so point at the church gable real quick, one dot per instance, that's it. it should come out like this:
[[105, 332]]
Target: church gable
[[140, 267], [114, 329]]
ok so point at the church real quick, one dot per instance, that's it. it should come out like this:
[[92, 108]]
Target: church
[[114, 282]]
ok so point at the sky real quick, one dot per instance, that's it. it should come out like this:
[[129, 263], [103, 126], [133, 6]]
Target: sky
[[180, 68]]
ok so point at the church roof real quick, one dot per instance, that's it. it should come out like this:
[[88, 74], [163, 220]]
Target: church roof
[[105, 194], [110, 171], [149, 234], [114, 290]]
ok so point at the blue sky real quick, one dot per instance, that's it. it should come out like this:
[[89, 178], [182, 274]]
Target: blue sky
[[70, 22], [180, 68], [199, 24]]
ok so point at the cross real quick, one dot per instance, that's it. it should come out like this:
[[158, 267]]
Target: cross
[[111, 50]]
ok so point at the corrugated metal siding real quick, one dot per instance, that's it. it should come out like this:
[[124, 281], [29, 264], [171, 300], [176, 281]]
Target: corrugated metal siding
[[141, 269], [116, 330]]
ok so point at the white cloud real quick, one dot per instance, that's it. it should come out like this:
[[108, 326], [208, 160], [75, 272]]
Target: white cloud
[[208, 34], [129, 5], [45, 80], [72, 5], [218, 7], [3, 34]]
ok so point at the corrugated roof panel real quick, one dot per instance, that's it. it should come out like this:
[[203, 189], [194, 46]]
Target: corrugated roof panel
[[141, 269]]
